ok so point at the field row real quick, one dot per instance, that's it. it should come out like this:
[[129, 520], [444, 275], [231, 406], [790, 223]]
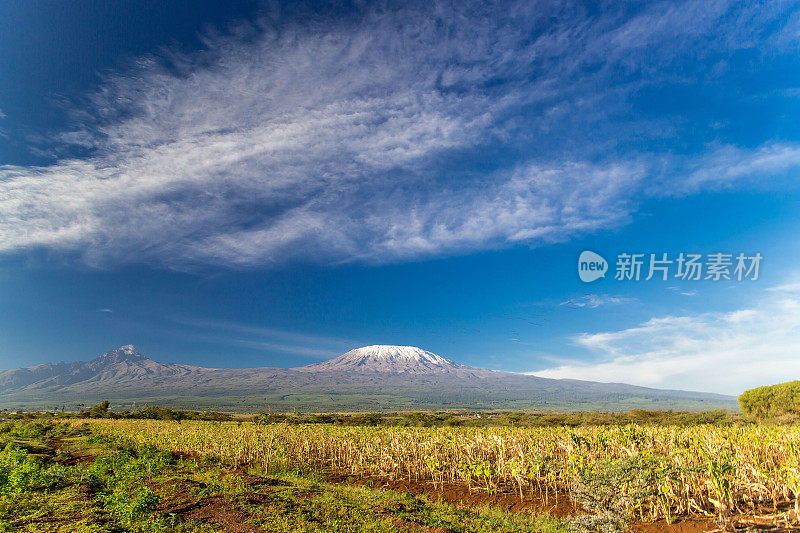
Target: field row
[[633, 471]]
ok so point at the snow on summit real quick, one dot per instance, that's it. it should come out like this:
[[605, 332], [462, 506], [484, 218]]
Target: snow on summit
[[381, 352], [387, 358]]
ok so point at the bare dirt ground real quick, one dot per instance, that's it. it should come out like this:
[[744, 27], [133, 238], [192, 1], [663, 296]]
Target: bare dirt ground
[[558, 505]]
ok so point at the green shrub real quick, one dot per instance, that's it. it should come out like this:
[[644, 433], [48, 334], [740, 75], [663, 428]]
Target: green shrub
[[31, 430], [120, 474], [130, 503], [772, 401], [19, 472], [100, 410]]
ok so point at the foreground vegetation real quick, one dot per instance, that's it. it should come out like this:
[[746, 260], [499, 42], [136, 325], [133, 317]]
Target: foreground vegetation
[[613, 469], [619, 473], [63, 476]]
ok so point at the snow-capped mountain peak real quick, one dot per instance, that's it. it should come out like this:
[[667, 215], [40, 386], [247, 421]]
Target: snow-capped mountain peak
[[123, 353], [387, 358], [385, 352]]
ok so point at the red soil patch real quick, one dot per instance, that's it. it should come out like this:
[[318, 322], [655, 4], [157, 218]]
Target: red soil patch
[[75, 458], [555, 504], [85, 494], [748, 525], [220, 511], [178, 498], [72, 458], [388, 513]]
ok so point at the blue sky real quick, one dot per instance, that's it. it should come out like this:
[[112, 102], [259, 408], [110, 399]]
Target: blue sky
[[264, 185]]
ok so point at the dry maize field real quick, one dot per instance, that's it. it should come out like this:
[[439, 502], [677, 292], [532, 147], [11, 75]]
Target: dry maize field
[[644, 472]]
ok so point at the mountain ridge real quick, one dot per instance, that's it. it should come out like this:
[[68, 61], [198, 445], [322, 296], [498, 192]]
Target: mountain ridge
[[378, 377], [123, 362]]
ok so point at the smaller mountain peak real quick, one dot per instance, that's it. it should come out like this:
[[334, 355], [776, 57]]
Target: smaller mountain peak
[[123, 353]]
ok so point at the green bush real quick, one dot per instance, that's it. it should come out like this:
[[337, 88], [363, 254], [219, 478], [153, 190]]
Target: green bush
[[100, 410], [31, 430], [120, 474], [772, 401], [111, 464], [20, 473], [130, 502]]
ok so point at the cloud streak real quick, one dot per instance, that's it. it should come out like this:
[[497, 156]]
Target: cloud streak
[[718, 352], [266, 338], [593, 301], [396, 135]]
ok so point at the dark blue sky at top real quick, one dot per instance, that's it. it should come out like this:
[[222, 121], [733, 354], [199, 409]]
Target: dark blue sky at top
[[56, 51], [450, 217]]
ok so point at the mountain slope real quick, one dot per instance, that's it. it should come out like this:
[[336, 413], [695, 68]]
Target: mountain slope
[[368, 378]]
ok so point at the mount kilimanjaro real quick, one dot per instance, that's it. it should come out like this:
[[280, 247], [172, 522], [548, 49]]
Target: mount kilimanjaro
[[371, 378], [394, 359]]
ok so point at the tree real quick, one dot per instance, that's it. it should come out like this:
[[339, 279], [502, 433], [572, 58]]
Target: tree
[[772, 401], [100, 410]]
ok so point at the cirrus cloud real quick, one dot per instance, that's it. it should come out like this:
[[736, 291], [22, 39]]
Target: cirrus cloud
[[400, 134]]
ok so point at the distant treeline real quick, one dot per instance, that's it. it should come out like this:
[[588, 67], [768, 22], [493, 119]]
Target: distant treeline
[[151, 412], [773, 401], [514, 419], [420, 419]]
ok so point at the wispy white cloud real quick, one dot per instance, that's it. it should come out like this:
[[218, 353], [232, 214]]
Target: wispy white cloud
[[357, 140], [718, 352], [593, 301], [266, 338], [682, 291], [305, 351], [793, 286], [724, 167]]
